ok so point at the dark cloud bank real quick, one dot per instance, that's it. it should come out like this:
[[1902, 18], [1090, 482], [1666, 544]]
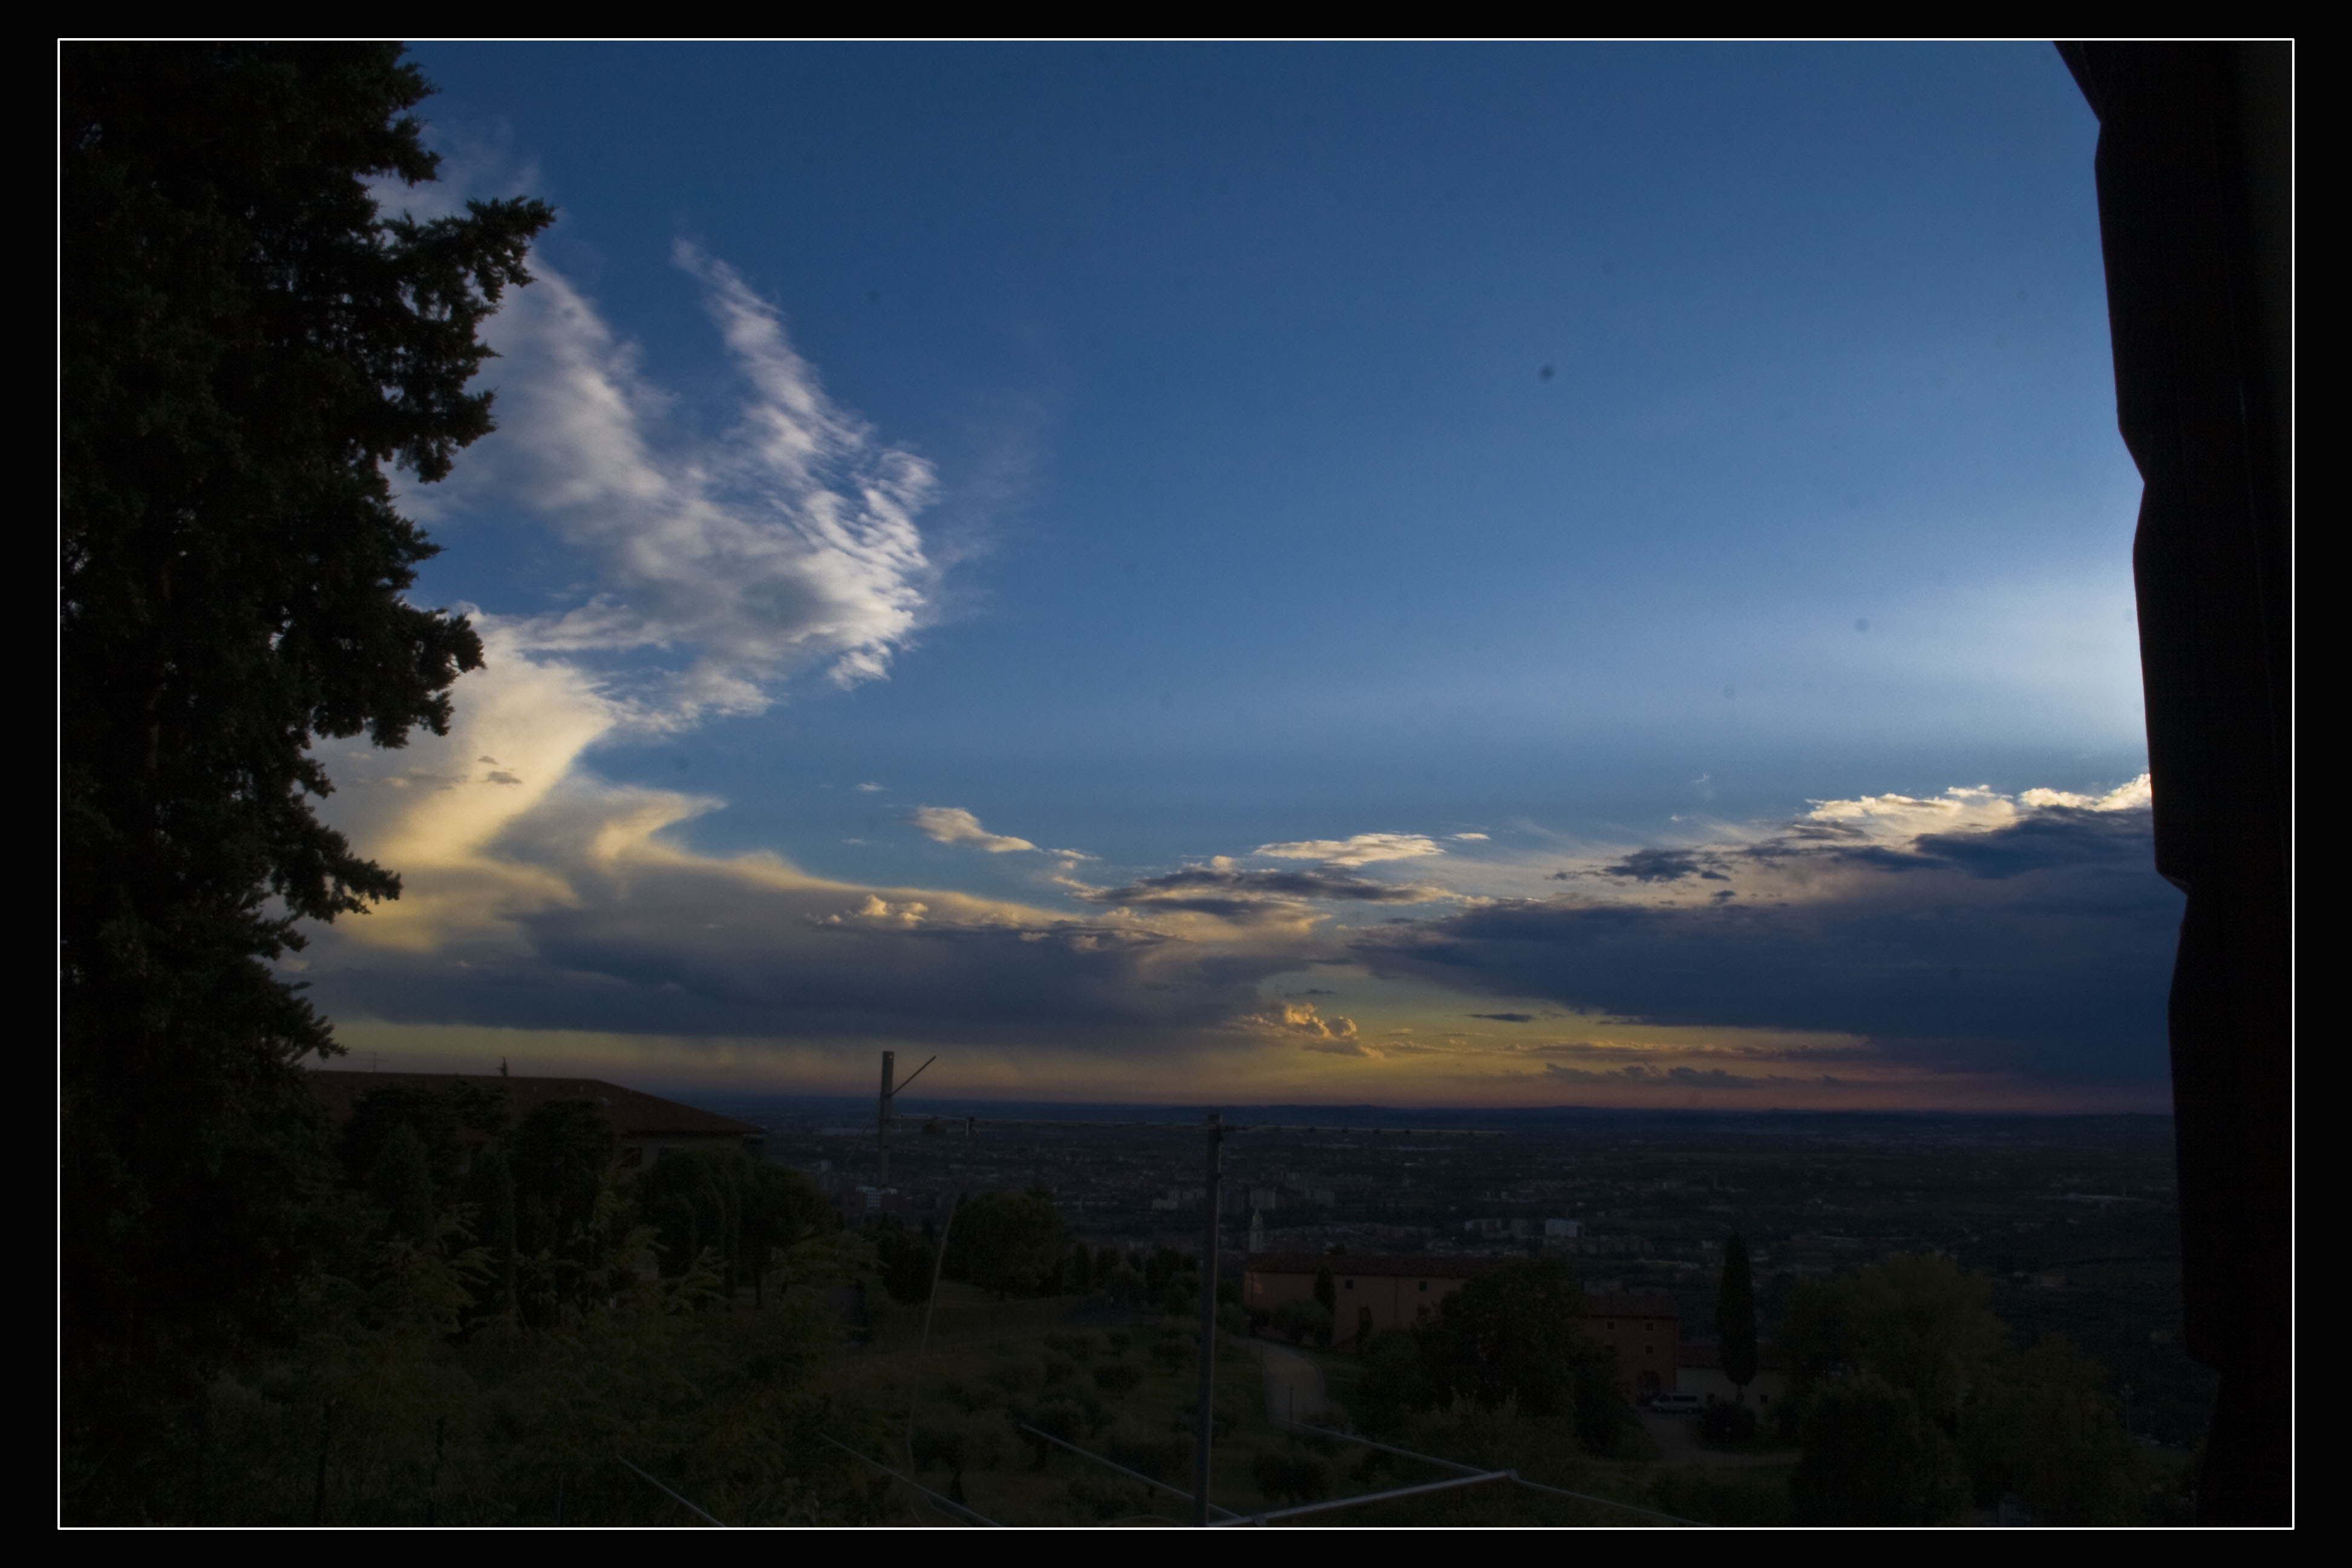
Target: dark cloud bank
[[686, 951], [2043, 947], [1244, 895]]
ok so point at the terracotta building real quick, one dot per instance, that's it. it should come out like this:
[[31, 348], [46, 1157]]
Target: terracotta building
[[1643, 1327], [1646, 1329], [1396, 1290]]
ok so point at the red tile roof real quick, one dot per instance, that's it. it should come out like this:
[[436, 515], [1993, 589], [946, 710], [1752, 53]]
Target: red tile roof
[[634, 1114]]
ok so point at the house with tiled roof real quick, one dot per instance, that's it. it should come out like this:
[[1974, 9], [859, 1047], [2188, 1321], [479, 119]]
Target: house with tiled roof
[[1643, 1327], [1396, 1291], [647, 1125]]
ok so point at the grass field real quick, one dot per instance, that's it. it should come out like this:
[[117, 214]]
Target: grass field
[[1122, 1384]]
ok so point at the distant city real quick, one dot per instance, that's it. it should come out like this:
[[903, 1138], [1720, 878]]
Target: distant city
[[2071, 1217]]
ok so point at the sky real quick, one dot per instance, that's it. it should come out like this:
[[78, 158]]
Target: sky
[[1423, 574]]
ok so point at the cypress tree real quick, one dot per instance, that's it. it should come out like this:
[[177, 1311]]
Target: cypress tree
[[1735, 1316]]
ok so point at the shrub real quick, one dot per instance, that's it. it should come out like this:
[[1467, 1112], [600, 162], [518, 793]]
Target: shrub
[[1872, 1458], [1300, 1321], [1098, 1496], [1727, 1425], [1293, 1476], [1165, 1458], [2043, 1427], [1717, 1496]]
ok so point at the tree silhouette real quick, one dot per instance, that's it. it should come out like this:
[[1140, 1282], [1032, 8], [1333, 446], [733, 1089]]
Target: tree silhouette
[[1735, 1316], [1010, 1243], [247, 345]]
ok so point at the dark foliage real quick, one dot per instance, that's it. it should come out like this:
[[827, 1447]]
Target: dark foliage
[[1727, 1425], [246, 343], [1163, 1458], [400, 1181], [1870, 1457], [1735, 1314], [1292, 1476], [907, 1260], [2044, 1426], [737, 1209], [1515, 1334], [1919, 1320], [1010, 1243]]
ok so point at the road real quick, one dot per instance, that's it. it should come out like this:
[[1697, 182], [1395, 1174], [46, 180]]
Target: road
[[1293, 1383]]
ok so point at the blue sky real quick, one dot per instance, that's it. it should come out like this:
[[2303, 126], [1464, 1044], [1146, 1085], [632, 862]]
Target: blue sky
[[1056, 493]]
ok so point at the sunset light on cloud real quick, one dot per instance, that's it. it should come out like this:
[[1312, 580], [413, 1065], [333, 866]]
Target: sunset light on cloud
[[863, 523]]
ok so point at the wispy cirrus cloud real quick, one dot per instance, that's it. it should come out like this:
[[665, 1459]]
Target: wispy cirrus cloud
[[705, 574], [788, 542]]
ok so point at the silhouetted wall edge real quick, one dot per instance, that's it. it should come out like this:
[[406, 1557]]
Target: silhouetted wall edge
[[2195, 189]]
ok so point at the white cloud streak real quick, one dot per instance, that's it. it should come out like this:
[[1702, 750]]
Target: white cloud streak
[[954, 825], [1361, 849]]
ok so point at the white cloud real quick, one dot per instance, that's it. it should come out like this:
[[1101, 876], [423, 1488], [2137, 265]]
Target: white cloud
[[2130, 796], [1298, 1024], [1965, 809], [954, 825], [789, 544], [869, 789], [708, 572], [1474, 837], [1360, 850]]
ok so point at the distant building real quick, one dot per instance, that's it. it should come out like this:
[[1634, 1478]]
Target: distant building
[[1523, 1229], [1701, 1373], [1645, 1327], [648, 1126], [1398, 1291]]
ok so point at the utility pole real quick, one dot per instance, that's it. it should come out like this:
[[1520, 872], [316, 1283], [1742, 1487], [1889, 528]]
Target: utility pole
[[882, 1122], [884, 1115], [1204, 1423]]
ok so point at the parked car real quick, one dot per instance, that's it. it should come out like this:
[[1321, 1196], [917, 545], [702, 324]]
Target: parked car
[[1675, 1404]]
